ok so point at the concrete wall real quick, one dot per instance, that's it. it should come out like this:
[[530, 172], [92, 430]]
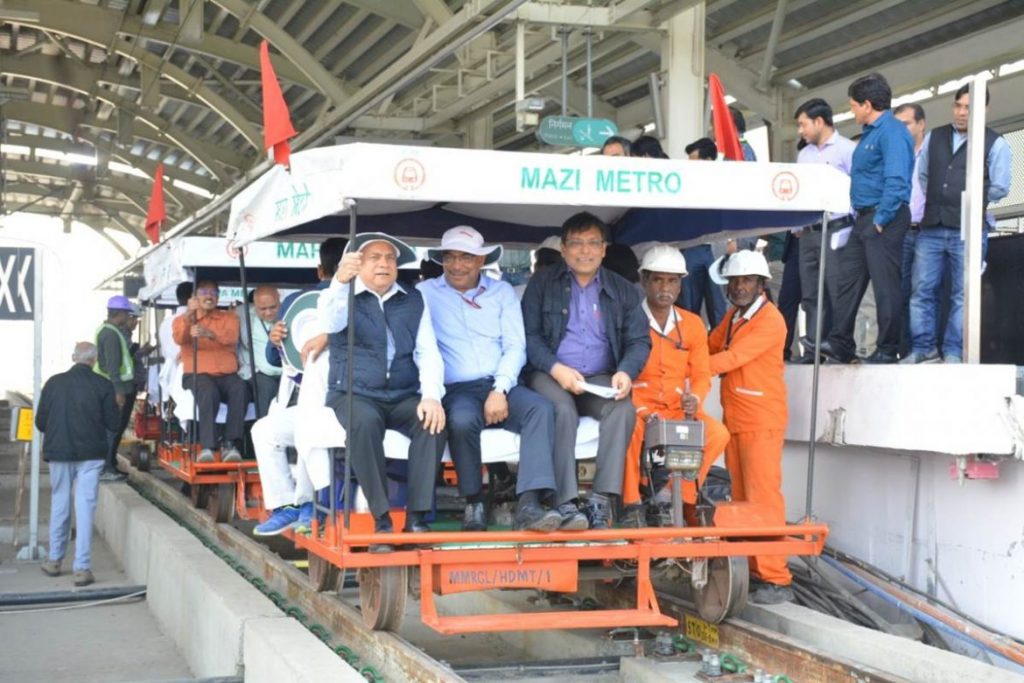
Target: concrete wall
[[222, 625]]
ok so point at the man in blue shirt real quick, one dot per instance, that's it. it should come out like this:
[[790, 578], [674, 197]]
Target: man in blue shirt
[[879, 191], [585, 333], [939, 251], [479, 330]]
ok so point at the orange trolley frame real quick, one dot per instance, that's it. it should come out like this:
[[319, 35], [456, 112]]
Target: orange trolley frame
[[223, 488]]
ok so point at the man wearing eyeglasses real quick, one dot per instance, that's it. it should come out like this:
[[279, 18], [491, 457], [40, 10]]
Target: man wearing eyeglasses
[[676, 379], [584, 327], [214, 378], [479, 329], [397, 375]]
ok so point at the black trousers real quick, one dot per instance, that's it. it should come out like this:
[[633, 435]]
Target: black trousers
[[789, 291], [209, 392], [529, 415], [266, 390], [114, 438], [870, 256], [365, 436]]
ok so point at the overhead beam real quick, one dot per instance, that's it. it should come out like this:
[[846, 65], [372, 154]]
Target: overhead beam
[[404, 13], [435, 10], [82, 79], [84, 23], [751, 22], [886, 36]]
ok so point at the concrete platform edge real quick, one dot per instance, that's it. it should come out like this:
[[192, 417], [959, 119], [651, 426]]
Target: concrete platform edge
[[221, 624]]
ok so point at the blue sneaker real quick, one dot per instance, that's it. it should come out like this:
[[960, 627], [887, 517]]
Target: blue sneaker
[[281, 520], [305, 523]]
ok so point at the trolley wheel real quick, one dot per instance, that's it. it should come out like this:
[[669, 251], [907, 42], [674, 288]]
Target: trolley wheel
[[382, 593], [323, 575], [143, 458], [200, 495], [725, 593], [220, 502]]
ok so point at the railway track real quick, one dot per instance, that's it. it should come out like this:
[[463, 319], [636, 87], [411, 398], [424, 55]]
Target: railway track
[[418, 654]]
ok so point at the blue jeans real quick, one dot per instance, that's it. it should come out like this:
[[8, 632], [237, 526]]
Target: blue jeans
[[698, 288], [938, 252], [63, 476]]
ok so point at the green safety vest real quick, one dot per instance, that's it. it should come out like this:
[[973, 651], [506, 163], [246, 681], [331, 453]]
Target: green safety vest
[[127, 370]]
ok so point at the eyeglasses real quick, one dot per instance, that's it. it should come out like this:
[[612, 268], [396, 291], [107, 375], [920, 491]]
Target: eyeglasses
[[579, 244], [458, 257], [207, 291]]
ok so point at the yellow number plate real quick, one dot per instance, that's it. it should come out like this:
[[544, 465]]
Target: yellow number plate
[[701, 631]]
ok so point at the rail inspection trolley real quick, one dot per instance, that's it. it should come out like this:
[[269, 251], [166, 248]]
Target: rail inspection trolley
[[517, 199], [222, 488]]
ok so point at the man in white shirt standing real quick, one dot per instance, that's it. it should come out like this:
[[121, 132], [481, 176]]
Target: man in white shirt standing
[[397, 384], [169, 349]]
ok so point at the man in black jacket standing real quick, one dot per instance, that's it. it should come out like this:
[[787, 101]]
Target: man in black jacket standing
[[586, 331], [76, 411]]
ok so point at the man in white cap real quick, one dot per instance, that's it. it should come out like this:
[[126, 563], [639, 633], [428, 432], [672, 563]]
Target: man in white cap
[[676, 379], [398, 375], [115, 362], [479, 328], [746, 349]]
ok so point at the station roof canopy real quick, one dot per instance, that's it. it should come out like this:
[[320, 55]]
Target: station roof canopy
[[95, 93]]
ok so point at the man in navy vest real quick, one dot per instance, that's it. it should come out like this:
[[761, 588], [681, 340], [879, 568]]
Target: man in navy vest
[[942, 170], [398, 374]]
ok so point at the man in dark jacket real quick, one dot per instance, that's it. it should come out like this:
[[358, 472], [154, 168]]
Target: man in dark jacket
[[76, 411], [585, 330]]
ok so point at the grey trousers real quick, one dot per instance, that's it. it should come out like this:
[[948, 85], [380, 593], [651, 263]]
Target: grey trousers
[[266, 390], [617, 419], [810, 266]]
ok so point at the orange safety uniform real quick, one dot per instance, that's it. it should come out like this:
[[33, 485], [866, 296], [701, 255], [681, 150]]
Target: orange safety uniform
[[216, 356], [747, 352], [674, 358]]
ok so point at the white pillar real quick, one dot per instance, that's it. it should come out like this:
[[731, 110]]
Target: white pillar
[[682, 61]]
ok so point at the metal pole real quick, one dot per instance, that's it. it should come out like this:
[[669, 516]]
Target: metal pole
[[349, 375], [773, 41], [565, 70], [590, 74], [520, 71], [819, 306], [248, 330], [972, 221], [33, 551]]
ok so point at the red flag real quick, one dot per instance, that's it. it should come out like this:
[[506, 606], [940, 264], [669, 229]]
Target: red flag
[[726, 137], [277, 124], [156, 214]]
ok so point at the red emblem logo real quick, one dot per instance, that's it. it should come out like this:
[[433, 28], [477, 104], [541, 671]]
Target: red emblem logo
[[785, 186], [410, 174], [233, 251]]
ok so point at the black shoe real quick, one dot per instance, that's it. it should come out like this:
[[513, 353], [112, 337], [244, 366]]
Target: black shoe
[[572, 518], [599, 512], [836, 356], [763, 593], [382, 525], [475, 518], [532, 517], [633, 517], [881, 358], [110, 474], [414, 523]]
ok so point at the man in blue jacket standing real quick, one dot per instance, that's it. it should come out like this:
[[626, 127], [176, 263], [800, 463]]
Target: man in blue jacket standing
[[585, 329], [879, 192], [76, 411]]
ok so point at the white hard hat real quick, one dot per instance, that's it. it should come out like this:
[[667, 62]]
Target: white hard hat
[[743, 262], [661, 258], [554, 243]]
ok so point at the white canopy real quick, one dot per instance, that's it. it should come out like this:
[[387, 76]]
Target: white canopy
[[527, 190], [176, 260]]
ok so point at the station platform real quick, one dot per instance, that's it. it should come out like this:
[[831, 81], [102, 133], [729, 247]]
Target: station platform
[[76, 641]]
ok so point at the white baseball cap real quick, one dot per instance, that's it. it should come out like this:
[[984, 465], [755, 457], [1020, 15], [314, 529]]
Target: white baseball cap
[[467, 240], [743, 262], [554, 243], [661, 258]]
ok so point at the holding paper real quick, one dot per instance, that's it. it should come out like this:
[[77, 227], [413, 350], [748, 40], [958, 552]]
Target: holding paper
[[598, 390]]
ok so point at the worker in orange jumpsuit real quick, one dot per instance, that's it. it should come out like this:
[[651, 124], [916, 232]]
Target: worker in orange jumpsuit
[[746, 350], [679, 352]]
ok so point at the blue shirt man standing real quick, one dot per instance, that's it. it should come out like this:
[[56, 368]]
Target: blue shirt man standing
[[879, 192], [479, 330]]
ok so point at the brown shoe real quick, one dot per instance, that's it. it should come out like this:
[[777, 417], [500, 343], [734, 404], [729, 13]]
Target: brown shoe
[[51, 567], [83, 578]]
